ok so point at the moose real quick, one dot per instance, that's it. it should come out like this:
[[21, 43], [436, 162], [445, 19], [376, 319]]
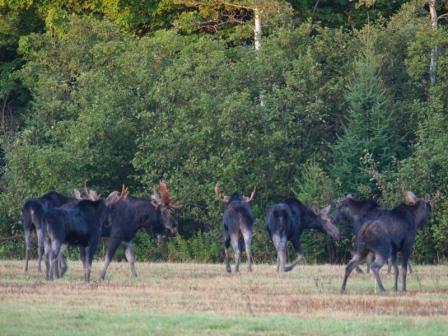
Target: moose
[[238, 224], [392, 232], [80, 224], [287, 220], [130, 214], [356, 213], [33, 211]]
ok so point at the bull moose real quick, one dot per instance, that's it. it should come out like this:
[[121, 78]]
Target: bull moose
[[238, 223], [81, 224], [392, 232], [131, 214], [356, 212], [33, 212], [287, 220]]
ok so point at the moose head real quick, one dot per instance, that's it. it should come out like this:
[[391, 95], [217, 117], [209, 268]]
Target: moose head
[[421, 208], [163, 204]]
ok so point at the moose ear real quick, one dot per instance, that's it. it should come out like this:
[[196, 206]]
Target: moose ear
[[410, 198], [112, 198], [326, 210], [93, 196]]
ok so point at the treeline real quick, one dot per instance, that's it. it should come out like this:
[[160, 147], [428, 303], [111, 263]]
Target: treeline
[[178, 91]]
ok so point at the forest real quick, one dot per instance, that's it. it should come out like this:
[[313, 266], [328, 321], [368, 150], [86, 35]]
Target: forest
[[314, 99]]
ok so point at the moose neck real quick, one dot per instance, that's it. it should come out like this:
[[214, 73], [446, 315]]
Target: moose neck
[[141, 213], [150, 217], [311, 221]]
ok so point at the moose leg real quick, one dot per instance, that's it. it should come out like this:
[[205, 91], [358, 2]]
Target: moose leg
[[247, 235], [369, 261], [89, 259], [62, 262], [360, 271], [130, 257], [226, 254], [59, 267], [47, 253], [389, 265], [380, 260], [54, 252], [111, 249], [83, 254], [236, 248], [357, 268], [392, 262], [27, 248], [299, 252], [352, 264], [404, 268], [90, 251], [280, 246], [40, 248]]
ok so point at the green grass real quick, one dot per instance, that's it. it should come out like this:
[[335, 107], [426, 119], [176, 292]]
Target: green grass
[[64, 321], [195, 299]]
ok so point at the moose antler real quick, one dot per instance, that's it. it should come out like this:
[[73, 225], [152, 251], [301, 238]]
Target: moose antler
[[86, 190], [410, 198], [93, 196], [166, 196], [90, 194], [249, 199], [224, 199], [77, 194], [124, 192], [116, 196]]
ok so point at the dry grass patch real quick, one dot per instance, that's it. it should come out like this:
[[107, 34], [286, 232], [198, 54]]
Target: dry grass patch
[[198, 299], [309, 291]]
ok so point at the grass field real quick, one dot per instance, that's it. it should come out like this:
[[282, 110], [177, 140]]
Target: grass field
[[198, 299]]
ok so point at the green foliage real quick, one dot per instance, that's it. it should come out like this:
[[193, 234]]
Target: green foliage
[[201, 247], [346, 12], [370, 130], [314, 188], [97, 91]]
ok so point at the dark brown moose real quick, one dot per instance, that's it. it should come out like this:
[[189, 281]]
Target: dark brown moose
[[392, 232], [131, 214], [238, 223], [287, 220]]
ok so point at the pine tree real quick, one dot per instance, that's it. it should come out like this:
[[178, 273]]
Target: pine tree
[[370, 132]]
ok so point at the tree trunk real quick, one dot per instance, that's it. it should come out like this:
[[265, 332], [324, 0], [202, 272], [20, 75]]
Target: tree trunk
[[257, 29], [434, 51]]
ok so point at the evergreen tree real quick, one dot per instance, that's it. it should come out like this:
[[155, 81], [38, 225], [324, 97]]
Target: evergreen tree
[[370, 134]]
